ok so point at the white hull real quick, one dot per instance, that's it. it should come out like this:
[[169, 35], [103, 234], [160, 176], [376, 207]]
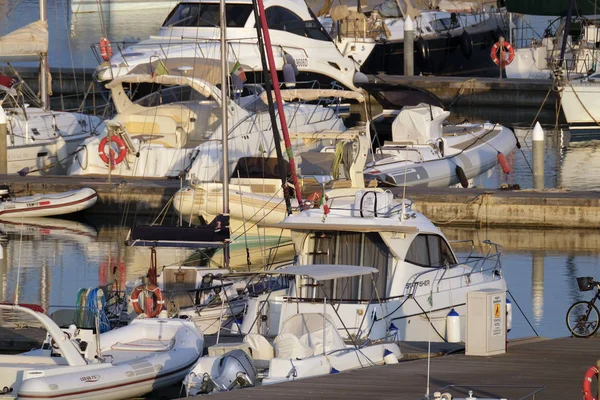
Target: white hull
[[580, 102], [139, 358], [48, 205]]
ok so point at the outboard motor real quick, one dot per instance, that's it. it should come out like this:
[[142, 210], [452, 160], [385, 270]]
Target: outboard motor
[[5, 193], [233, 370]]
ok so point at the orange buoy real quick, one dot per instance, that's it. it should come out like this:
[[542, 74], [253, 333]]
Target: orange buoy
[[587, 383], [105, 49], [506, 49], [154, 300], [504, 163]]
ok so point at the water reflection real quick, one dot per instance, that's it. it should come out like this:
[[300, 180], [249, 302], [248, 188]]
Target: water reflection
[[537, 286]]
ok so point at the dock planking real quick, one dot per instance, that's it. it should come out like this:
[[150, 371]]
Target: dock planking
[[557, 365]]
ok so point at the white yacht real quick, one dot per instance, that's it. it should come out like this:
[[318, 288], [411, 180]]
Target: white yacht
[[192, 31], [177, 130], [580, 101], [420, 279]]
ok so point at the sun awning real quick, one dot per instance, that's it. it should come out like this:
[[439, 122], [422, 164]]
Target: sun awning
[[342, 227], [26, 43], [319, 272]]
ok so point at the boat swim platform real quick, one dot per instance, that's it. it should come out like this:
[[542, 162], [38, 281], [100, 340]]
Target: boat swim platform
[[479, 92], [554, 366], [471, 207]]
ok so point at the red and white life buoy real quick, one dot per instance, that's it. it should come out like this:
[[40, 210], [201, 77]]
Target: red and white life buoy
[[587, 383], [508, 49], [110, 159], [152, 291], [105, 49]]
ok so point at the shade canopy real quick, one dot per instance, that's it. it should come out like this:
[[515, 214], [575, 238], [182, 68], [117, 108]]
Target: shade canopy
[[319, 272], [26, 43]]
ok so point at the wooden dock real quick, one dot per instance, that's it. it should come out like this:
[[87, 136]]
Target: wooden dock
[[557, 366]]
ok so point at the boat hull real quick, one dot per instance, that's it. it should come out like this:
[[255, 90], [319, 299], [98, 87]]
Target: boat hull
[[47, 205]]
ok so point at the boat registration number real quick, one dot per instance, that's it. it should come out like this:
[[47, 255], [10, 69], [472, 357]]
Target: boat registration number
[[301, 62]]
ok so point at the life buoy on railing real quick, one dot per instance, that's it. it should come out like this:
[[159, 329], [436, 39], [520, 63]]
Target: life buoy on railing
[[158, 300], [508, 49], [110, 159], [105, 49]]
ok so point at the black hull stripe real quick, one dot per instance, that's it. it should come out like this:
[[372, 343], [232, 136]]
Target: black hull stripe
[[98, 389], [26, 210]]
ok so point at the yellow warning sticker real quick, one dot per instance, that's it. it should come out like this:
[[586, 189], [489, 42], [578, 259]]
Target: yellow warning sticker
[[496, 310]]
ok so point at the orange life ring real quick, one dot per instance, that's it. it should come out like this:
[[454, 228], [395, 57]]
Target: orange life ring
[[105, 49], [158, 300], [508, 49], [122, 151], [587, 383]]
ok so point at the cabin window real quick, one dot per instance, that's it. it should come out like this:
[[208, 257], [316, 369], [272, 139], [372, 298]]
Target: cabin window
[[430, 251], [207, 15], [353, 248], [282, 19]]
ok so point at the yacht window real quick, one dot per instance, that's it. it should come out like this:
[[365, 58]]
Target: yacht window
[[207, 15], [352, 248], [282, 19], [445, 24], [430, 251]]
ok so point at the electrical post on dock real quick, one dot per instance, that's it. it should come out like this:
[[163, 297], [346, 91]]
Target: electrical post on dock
[[538, 157], [409, 52], [3, 142]]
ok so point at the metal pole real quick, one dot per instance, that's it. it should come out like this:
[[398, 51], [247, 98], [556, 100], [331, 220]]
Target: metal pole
[[45, 99], [538, 157], [409, 53], [224, 125], [3, 142], [501, 62]]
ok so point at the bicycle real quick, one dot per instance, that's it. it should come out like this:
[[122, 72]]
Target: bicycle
[[583, 317]]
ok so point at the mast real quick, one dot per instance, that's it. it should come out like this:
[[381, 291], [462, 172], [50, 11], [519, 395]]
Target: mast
[[43, 81], [275, 79], [563, 47], [224, 101], [271, 104]]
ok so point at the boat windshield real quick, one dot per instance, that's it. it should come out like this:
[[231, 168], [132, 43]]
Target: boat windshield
[[207, 15], [429, 250]]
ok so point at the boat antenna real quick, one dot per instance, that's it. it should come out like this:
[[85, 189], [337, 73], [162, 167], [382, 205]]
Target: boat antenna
[[275, 79], [45, 99], [224, 127], [271, 104]]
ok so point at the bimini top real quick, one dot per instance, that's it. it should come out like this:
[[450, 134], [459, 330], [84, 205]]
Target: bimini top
[[320, 272]]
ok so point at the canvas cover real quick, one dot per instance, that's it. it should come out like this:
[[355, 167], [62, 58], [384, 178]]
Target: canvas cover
[[419, 124], [315, 331], [26, 43]]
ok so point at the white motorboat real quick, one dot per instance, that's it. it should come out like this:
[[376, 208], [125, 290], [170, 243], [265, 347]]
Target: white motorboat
[[158, 138], [191, 31], [39, 141], [425, 152], [45, 205], [128, 362], [308, 345], [580, 102], [420, 280]]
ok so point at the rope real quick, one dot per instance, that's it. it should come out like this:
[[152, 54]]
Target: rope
[[462, 90], [524, 316], [455, 217]]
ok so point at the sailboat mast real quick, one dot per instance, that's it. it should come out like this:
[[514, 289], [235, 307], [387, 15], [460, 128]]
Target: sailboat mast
[[275, 80], [224, 125], [43, 80]]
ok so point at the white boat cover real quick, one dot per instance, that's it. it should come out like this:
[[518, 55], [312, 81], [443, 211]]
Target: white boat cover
[[307, 334], [25, 43], [419, 124]]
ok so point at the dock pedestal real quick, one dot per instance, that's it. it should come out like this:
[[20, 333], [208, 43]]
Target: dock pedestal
[[409, 52], [538, 157], [3, 143]]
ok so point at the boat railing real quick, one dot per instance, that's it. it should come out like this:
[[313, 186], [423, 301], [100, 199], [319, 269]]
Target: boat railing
[[487, 261]]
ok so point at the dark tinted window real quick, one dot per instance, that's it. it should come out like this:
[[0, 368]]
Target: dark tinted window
[[207, 15], [282, 19], [430, 251]]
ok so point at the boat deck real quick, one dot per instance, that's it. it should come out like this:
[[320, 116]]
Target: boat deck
[[555, 365]]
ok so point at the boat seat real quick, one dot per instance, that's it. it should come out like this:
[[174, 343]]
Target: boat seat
[[144, 345], [288, 345], [13, 359], [260, 349]]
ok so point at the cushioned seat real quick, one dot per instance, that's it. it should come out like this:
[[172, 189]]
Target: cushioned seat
[[288, 345]]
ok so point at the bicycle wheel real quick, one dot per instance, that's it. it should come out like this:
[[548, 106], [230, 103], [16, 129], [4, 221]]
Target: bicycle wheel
[[582, 319]]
